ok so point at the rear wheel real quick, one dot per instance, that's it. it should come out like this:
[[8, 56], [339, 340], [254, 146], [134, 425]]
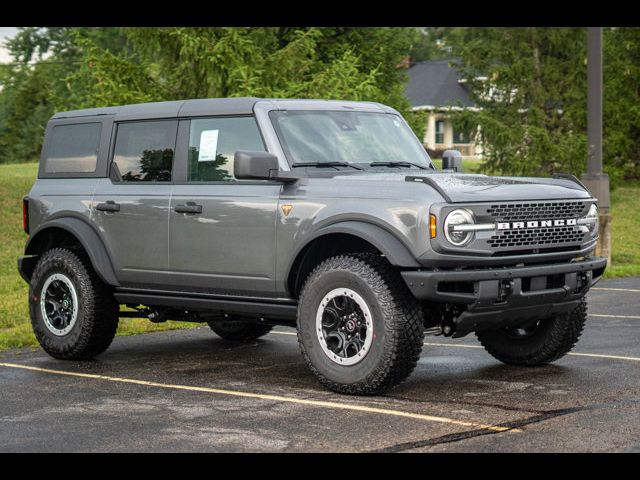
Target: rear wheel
[[359, 328], [239, 330], [538, 343], [73, 314]]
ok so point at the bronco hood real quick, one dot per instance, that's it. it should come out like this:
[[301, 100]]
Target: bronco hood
[[465, 187], [458, 187]]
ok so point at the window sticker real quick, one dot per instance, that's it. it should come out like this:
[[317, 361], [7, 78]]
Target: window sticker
[[208, 146]]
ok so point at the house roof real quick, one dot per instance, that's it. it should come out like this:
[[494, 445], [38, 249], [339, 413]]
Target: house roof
[[435, 83]]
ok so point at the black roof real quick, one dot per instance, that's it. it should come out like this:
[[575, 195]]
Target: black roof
[[180, 108], [435, 83], [213, 106]]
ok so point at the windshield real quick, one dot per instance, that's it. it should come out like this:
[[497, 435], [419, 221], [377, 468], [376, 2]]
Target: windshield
[[363, 138]]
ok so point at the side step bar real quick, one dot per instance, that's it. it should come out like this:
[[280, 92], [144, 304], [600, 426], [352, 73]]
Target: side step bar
[[266, 309]]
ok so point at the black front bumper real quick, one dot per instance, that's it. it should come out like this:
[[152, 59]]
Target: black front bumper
[[494, 297]]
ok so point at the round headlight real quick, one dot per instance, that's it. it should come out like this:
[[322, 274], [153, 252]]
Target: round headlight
[[459, 217]]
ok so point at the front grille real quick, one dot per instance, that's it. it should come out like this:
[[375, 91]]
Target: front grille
[[509, 212], [536, 236], [540, 239]]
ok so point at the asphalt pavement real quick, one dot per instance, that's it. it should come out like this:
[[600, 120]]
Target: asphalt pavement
[[189, 390]]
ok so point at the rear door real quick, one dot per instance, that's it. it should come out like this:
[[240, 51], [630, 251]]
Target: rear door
[[131, 206], [222, 230]]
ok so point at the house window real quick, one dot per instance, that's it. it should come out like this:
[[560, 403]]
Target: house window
[[439, 131], [461, 136]]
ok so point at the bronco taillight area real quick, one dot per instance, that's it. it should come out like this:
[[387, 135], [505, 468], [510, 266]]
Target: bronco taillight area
[[25, 214]]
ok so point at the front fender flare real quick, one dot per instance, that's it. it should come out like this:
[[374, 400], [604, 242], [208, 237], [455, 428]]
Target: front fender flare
[[389, 244]]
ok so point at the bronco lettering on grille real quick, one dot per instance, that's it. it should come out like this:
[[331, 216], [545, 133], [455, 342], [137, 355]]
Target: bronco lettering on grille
[[537, 224]]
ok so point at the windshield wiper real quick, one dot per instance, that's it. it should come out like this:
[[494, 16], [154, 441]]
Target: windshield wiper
[[397, 164], [325, 164]]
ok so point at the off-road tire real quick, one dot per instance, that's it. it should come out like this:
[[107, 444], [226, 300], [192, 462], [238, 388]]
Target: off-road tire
[[239, 330], [553, 339], [397, 320], [97, 317]]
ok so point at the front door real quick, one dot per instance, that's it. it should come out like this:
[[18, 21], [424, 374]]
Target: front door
[[222, 230], [131, 208]]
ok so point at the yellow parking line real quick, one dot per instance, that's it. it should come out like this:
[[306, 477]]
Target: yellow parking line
[[607, 289], [432, 344], [595, 355], [459, 345], [614, 357], [628, 317], [276, 398]]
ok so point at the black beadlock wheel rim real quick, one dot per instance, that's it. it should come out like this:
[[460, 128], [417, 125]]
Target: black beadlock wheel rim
[[59, 304], [344, 326]]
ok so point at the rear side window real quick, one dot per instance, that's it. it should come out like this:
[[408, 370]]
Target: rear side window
[[213, 143], [73, 148], [144, 151]]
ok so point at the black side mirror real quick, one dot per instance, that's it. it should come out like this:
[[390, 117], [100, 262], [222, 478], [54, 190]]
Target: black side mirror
[[452, 160], [257, 166]]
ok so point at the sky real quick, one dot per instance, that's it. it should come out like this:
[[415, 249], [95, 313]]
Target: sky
[[5, 33]]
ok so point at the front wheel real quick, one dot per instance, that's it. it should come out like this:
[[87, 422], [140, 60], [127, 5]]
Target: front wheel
[[359, 328], [538, 343]]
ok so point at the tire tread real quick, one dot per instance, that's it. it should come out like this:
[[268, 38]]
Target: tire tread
[[404, 323]]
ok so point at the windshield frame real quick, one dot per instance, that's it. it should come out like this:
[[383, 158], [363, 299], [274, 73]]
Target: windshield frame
[[428, 163]]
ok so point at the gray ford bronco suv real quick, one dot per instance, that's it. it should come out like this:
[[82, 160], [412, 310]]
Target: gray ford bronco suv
[[327, 216]]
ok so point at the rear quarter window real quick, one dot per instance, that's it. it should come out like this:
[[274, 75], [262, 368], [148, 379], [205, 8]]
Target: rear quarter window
[[73, 148]]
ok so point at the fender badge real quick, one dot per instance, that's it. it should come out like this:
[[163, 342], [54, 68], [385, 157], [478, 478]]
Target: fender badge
[[286, 209]]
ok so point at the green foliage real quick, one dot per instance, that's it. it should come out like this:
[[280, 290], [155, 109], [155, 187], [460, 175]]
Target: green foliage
[[621, 109], [79, 67], [533, 100], [532, 96], [103, 79], [177, 63], [417, 120], [34, 86], [429, 44]]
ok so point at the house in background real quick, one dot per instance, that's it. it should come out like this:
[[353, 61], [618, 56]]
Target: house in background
[[435, 86]]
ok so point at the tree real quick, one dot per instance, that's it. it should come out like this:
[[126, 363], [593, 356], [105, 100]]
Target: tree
[[530, 84], [176, 63], [36, 81], [88, 67], [621, 106], [429, 44]]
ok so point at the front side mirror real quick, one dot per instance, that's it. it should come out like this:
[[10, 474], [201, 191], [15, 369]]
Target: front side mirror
[[452, 160], [248, 165]]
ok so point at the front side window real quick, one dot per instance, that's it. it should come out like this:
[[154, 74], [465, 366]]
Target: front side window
[[144, 151], [73, 148], [354, 137], [213, 143]]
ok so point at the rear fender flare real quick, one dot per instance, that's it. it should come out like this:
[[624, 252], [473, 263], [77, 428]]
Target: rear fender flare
[[88, 238]]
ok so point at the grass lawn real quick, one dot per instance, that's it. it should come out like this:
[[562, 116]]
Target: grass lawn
[[625, 231], [16, 180]]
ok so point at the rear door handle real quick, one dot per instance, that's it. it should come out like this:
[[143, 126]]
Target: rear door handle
[[108, 206], [189, 207]]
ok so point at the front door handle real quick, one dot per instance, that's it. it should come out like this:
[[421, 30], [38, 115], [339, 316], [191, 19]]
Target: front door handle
[[108, 206], [189, 207]]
